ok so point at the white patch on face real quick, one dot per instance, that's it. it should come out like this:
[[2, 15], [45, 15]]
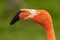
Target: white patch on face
[[32, 12]]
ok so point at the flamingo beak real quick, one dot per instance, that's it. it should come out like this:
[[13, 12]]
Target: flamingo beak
[[15, 18]]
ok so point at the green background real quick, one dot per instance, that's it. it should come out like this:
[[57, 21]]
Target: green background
[[26, 29]]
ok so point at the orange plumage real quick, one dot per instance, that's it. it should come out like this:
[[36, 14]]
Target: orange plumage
[[43, 18]]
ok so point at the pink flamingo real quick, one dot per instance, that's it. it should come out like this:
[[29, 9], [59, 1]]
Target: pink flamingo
[[41, 17]]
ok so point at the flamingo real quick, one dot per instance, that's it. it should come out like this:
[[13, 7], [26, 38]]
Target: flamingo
[[41, 17]]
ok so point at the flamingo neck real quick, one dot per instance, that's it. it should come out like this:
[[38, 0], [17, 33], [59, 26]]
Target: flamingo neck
[[45, 20], [50, 33]]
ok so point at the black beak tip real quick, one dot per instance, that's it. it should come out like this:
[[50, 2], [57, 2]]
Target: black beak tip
[[15, 18], [11, 24]]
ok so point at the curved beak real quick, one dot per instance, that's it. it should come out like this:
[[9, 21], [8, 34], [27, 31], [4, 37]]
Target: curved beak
[[15, 18]]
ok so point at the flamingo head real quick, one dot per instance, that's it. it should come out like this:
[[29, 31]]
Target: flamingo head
[[23, 14]]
